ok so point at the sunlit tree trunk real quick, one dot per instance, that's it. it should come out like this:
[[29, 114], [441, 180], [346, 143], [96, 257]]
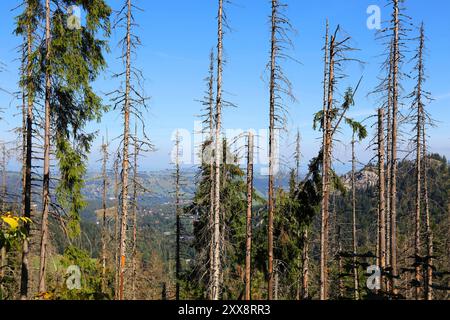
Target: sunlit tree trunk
[[46, 174], [125, 157], [104, 227], [216, 263], [326, 166]]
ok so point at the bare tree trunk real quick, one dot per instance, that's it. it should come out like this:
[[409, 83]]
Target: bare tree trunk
[[429, 231], [248, 245], [381, 198], [46, 175], [297, 157], [178, 217], [389, 164], [417, 244], [354, 239], [340, 263], [25, 272], [3, 256], [271, 151], [211, 164], [104, 228], [326, 177], [215, 281], [305, 269], [125, 156], [394, 159], [134, 216], [116, 229]]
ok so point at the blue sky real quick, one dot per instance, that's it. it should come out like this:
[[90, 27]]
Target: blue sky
[[178, 35]]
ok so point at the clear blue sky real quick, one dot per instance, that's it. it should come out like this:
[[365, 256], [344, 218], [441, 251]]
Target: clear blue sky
[[178, 35]]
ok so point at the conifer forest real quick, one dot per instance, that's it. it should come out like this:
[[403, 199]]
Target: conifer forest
[[224, 150]]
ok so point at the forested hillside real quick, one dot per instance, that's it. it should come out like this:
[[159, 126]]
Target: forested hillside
[[354, 204]]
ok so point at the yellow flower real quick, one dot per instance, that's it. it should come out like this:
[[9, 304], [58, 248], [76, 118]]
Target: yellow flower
[[13, 222]]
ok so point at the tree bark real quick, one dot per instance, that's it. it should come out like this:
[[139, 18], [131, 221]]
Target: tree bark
[[46, 174], [354, 239], [381, 198], [215, 281], [248, 245], [134, 216], [104, 230], [270, 285], [178, 217], [394, 159], [125, 157], [25, 272], [429, 231], [326, 177]]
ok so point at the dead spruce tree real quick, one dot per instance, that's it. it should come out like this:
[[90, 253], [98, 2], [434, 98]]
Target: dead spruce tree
[[130, 101], [330, 122], [398, 34], [279, 87], [139, 146], [381, 199], [248, 244], [178, 211], [216, 269], [105, 184], [421, 119]]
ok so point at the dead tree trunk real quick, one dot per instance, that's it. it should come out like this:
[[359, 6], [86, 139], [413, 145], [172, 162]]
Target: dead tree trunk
[[326, 166], [394, 159], [104, 227], [125, 157], [3, 254], [46, 174], [211, 125], [216, 263], [389, 163], [429, 231], [178, 217], [248, 245], [270, 286], [381, 198], [134, 215], [354, 239], [116, 229], [418, 203]]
